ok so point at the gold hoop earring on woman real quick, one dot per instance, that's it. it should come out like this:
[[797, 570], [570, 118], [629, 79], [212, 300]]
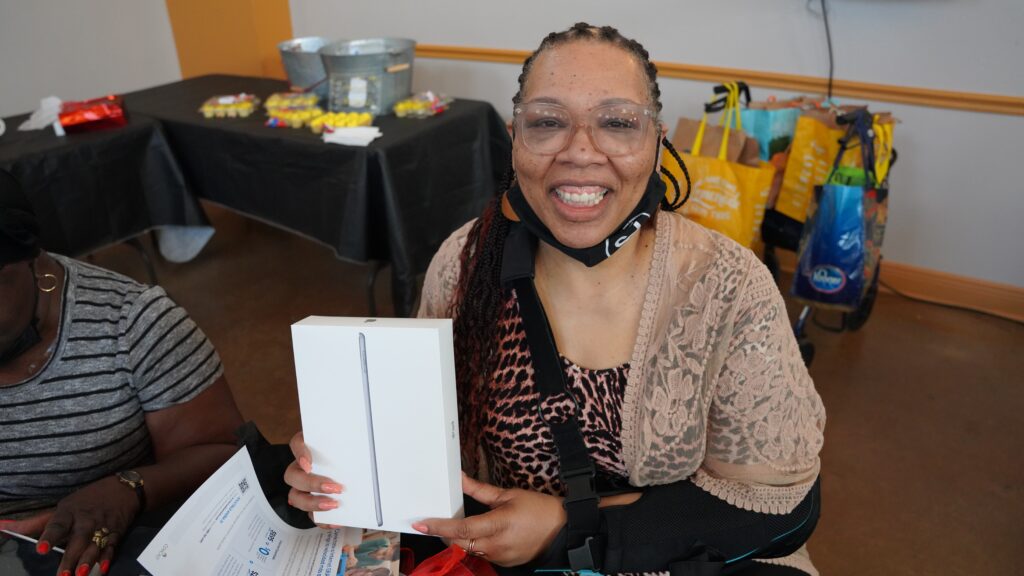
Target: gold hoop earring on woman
[[47, 277]]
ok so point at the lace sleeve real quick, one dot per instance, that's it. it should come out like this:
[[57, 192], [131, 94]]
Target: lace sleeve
[[442, 276], [766, 421]]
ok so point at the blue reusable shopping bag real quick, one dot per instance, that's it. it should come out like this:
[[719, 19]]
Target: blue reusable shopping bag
[[831, 268], [841, 242], [773, 128]]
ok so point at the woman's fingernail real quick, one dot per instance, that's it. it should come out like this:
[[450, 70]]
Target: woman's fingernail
[[66, 573], [421, 528], [331, 488], [43, 547], [306, 465], [83, 570], [328, 505], [105, 566]]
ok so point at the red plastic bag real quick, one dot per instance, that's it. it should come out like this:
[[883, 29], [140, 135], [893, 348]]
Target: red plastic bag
[[106, 112], [454, 561]]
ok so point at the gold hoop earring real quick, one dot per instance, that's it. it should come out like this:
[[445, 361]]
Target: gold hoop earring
[[51, 278]]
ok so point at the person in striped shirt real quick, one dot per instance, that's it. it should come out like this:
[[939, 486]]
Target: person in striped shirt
[[112, 400]]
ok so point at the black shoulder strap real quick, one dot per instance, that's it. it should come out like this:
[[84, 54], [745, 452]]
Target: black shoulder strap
[[583, 517]]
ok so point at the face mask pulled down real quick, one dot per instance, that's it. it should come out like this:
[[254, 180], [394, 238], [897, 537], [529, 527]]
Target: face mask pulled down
[[593, 255]]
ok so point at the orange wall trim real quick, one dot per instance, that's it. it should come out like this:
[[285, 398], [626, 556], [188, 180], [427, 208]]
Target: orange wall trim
[[230, 36], [971, 101], [941, 287]]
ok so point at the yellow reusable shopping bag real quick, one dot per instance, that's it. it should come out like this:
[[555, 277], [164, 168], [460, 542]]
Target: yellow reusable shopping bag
[[726, 196], [815, 145]]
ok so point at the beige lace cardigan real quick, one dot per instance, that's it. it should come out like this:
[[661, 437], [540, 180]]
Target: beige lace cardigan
[[717, 391]]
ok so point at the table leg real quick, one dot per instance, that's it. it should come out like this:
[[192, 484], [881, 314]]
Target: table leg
[[137, 245], [403, 295], [371, 284]]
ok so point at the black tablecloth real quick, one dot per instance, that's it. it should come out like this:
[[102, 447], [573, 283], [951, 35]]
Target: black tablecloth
[[93, 189], [395, 200]]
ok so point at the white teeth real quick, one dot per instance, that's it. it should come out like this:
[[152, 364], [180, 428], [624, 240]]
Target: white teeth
[[581, 196]]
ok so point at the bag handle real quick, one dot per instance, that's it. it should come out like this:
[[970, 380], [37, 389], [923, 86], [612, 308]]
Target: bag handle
[[730, 103], [885, 154], [719, 104], [858, 123]]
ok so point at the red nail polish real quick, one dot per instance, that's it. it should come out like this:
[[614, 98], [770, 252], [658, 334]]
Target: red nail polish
[[66, 573], [83, 570], [105, 566], [43, 547]]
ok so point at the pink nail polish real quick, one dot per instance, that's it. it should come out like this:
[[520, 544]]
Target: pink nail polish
[[422, 528], [305, 464], [329, 505], [331, 488]]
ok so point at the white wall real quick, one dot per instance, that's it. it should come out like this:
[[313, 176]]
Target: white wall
[[81, 49], [957, 200]]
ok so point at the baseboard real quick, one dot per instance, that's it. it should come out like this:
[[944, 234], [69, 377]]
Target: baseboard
[[942, 288]]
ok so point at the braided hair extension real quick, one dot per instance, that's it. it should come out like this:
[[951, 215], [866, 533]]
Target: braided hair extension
[[479, 297], [676, 202], [475, 308]]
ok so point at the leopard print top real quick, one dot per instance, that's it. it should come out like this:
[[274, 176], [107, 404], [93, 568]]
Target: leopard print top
[[521, 451]]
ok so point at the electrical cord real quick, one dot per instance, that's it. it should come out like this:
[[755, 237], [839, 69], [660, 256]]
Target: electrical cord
[[840, 327], [828, 38]]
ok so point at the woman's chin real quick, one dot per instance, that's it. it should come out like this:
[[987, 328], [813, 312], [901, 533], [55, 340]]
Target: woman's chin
[[580, 236]]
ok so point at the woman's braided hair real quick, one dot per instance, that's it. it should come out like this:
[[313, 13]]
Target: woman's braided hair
[[479, 298]]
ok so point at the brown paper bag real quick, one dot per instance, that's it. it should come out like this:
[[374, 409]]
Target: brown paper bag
[[742, 149]]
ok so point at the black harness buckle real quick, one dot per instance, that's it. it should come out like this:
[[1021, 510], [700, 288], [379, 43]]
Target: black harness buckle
[[579, 485], [588, 556]]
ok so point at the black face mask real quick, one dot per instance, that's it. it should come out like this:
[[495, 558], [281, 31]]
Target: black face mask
[[594, 255], [28, 338]]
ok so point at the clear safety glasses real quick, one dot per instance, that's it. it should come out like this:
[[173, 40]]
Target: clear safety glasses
[[614, 129]]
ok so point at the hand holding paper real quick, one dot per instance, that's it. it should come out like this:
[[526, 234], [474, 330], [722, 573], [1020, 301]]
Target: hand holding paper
[[227, 528]]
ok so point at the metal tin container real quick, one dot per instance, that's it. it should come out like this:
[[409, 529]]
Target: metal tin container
[[303, 64], [368, 75]]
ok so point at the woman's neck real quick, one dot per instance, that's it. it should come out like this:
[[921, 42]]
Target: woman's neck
[[594, 313], [621, 270], [49, 273]]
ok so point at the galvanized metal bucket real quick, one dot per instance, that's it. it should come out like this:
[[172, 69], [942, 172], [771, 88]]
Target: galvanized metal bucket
[[370, 74], [302, 63]]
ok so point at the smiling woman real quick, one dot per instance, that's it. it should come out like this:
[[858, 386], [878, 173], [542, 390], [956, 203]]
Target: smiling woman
[[631, 396]]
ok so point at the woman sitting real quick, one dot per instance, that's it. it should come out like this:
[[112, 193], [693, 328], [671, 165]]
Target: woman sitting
[[589, 322], [113, 402]]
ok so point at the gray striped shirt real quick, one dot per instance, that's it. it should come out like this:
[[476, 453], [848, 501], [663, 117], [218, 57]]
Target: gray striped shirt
[[124, 349]]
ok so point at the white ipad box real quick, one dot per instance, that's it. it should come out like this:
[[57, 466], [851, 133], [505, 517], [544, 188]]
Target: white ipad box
[[379, 414]]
